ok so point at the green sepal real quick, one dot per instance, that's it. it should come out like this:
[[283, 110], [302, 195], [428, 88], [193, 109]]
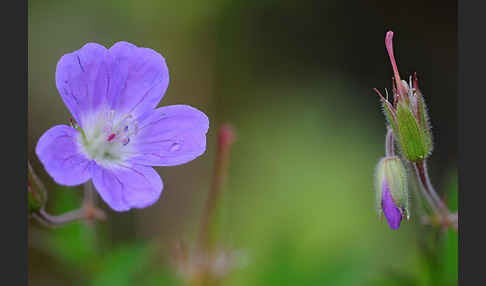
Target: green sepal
[[411, 137], [390, 116], [34, 204], [424, 123], [396, 177], [393, 170], [379, 175]]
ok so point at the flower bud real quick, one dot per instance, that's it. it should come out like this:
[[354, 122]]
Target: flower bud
[[407, 114], [36, 196], [391, 190]]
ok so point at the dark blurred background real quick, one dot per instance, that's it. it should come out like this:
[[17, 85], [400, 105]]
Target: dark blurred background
[[295, 79]]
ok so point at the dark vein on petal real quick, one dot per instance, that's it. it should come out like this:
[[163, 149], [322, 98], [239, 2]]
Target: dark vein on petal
[[79, 62]]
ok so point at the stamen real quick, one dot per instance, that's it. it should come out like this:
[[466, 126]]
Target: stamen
[[111, 137], [122, 121], [76, 126], [107, 129], [111, 114], [120, 130]]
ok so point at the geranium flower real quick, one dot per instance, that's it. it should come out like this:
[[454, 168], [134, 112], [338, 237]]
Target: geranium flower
[[118, 133]]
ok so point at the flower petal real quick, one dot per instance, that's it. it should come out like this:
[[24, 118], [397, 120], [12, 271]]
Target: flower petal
[[144, 78], [125, 187], [59, 152], [83, 80], [171, 135], [392, 213]]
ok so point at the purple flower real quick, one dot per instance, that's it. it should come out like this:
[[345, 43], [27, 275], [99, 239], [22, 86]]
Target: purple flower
[[112, 94], [392, 213]]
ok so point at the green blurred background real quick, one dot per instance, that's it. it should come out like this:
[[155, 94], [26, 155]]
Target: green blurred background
[[295, 79]]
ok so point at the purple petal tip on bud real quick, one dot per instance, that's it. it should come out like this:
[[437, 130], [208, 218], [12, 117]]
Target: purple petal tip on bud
[[392, 213]]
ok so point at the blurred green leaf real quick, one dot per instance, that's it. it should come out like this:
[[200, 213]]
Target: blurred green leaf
[[452, 189], [33, 203], [448, 258], [162, 275], [75, 243], [124, 264]]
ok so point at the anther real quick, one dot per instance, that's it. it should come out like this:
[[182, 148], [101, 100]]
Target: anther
[[111, 137], [72, 123]]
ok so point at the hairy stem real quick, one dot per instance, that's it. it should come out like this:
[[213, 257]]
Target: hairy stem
[[439, 207], [88, 211], [389, 147], [59, 220], [425, 192], [421, 169]]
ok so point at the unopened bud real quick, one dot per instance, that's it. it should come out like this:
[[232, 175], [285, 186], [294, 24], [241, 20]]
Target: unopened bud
[[407, 114], [392, 190], [36, 195]]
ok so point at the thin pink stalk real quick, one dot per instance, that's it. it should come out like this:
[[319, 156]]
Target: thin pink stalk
[[389, 48], [225, 140]]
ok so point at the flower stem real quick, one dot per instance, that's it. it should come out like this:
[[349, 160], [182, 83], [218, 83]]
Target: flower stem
[[89, 199], [88, 212], [225, 139], [59, 220], [426, 194], [89, 205], [439, 207]]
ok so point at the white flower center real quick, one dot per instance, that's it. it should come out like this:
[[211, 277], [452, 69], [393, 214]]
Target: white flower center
[[106, 137]]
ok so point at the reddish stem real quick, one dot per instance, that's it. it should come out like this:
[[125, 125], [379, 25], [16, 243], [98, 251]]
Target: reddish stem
[[438, 205], [225, 139]]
